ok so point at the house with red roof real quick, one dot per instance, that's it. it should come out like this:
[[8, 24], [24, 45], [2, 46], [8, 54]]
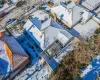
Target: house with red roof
[[12, 57]]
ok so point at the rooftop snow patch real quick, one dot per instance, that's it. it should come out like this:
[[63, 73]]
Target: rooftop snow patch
[[36, 22]]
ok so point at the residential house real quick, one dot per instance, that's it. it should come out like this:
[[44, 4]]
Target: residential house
[[48, 33], [26, 40], [90, 4], [48, 36], [69, 14], [85, 30], [12, 57]]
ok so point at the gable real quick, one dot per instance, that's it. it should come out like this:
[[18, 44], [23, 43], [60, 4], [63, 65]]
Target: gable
[[17, 60], [9, 53], [4, 59]]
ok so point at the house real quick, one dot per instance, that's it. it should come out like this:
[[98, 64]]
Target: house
[[90, 4], [85, 30], [69, 14], [47, 34], [26, 41], [12, 57]]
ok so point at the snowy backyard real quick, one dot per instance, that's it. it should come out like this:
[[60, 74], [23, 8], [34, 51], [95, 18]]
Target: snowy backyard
[[92, 71]]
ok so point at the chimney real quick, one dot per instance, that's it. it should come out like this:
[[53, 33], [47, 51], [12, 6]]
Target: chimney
[[1, 34], [78, 1]]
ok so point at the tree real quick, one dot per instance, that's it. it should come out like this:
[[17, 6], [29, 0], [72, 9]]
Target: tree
[[20, 3]]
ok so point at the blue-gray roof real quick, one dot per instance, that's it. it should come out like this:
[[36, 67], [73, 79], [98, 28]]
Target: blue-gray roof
[[36, 22]]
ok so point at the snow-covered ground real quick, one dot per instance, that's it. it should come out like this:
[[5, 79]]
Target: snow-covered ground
[[88, 69], [92, 71], [32, 74]]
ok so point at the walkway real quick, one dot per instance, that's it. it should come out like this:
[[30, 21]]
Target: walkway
[[50, 61]]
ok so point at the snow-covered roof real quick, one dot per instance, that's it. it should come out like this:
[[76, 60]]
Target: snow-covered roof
[[52, 31], [86, 30], [91, 4], [36, 22], [4, 7], [40, 15], [70, 13], [11, 54]]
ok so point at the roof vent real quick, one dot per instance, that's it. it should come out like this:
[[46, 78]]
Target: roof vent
[[1, 34]]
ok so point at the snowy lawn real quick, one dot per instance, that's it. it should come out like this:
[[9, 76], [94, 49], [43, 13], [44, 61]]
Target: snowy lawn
[[32, 74], [92, 71]]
